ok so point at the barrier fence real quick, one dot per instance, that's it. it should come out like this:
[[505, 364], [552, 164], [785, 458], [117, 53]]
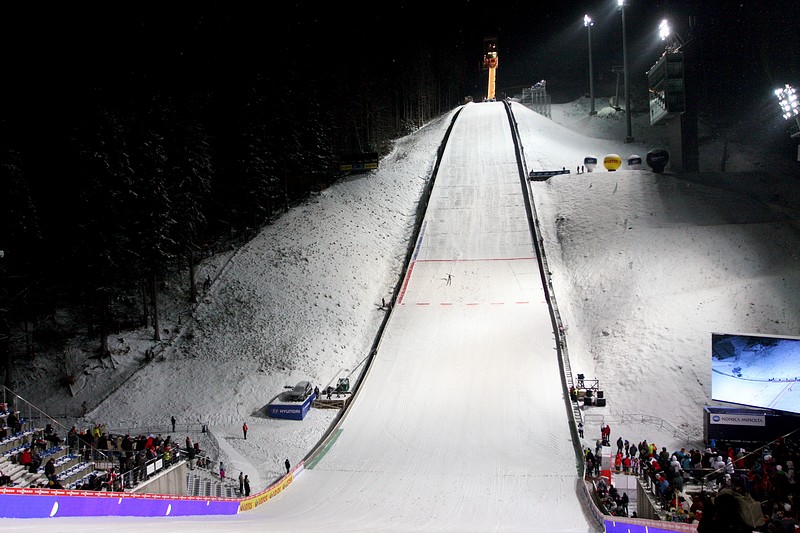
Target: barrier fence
[[44, 503]]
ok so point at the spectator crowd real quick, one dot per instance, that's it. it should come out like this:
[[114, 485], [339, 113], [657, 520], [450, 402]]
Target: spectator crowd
[[718, 488]]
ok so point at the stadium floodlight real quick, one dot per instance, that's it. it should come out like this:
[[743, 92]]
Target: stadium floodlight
[[587, 21], [674, 41], [787, 99], [628, 132], [664, 30]]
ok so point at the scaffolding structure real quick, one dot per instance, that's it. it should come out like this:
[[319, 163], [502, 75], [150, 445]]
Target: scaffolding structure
[[536, 98]]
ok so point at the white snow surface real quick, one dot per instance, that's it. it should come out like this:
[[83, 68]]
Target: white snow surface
[[460, 423]]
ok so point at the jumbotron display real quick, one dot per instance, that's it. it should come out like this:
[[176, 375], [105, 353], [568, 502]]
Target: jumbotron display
[[756, 370]]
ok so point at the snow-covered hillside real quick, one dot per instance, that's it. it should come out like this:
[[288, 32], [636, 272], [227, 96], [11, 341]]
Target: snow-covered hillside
[[644, 268]]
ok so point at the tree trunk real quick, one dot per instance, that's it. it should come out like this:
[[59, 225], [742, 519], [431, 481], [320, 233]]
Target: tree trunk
[[5, 352], [30, 347], [285, 189], [153, 295], [192, 274], [104, 326], [145, 315], [724, 161], [5, 345]]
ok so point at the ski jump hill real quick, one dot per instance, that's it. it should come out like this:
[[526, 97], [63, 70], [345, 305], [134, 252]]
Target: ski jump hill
[[460, 422]]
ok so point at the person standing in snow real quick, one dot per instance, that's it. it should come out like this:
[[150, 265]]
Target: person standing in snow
[[605, 432], [221, 470], [580, 429], [173, 423], [241, 482], [244, 430], [246, 486], [288, 465]]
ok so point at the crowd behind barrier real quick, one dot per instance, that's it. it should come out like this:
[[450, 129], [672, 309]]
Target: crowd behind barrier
[[88, 459], [719, 486]]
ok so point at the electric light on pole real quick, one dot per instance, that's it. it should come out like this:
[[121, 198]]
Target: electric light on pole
[[629, 134], [587, 21], [787, 99], [664, 30], [790, 108]]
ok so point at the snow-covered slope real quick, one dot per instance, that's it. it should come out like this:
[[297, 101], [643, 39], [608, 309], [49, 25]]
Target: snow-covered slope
[[644, 267]]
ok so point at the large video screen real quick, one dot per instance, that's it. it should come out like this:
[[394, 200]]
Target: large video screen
[[756, 370]]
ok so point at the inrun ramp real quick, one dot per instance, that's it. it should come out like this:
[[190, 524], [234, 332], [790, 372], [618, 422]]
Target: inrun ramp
[[460, 424]]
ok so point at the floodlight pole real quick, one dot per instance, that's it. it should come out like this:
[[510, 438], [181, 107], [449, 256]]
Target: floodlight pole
[[629, 134], [587, 21]]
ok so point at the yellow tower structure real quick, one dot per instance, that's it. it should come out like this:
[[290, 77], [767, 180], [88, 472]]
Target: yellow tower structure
[[490, 64]]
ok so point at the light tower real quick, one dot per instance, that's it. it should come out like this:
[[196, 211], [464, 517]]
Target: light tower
[[587, 21], [628, 131], [490, 64], [790, 107]]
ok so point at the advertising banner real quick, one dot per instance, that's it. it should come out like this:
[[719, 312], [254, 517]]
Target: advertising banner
[[738, 419], [291, 411], [50, 503], [264, 497]]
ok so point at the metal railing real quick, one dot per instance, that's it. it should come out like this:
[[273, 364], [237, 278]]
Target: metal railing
[[634, 419], [147, 468]]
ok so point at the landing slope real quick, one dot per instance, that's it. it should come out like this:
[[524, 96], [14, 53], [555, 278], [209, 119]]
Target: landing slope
[[460, 424]]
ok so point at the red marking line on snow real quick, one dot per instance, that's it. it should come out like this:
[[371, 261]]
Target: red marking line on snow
[[470, 304], [476, 260], [405, 282]]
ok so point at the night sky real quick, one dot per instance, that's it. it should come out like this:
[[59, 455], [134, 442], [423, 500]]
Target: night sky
[[55, 56]]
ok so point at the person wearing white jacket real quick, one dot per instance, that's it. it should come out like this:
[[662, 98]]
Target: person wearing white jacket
[[719, 469]]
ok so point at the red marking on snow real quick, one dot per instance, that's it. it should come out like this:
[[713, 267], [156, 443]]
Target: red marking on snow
[[472, 304], [476, 260], [405, 282]]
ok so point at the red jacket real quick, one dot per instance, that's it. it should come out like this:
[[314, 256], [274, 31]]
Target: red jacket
[[26, 457]]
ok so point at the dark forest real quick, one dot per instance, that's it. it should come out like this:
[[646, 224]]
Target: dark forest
[[136, 143]]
